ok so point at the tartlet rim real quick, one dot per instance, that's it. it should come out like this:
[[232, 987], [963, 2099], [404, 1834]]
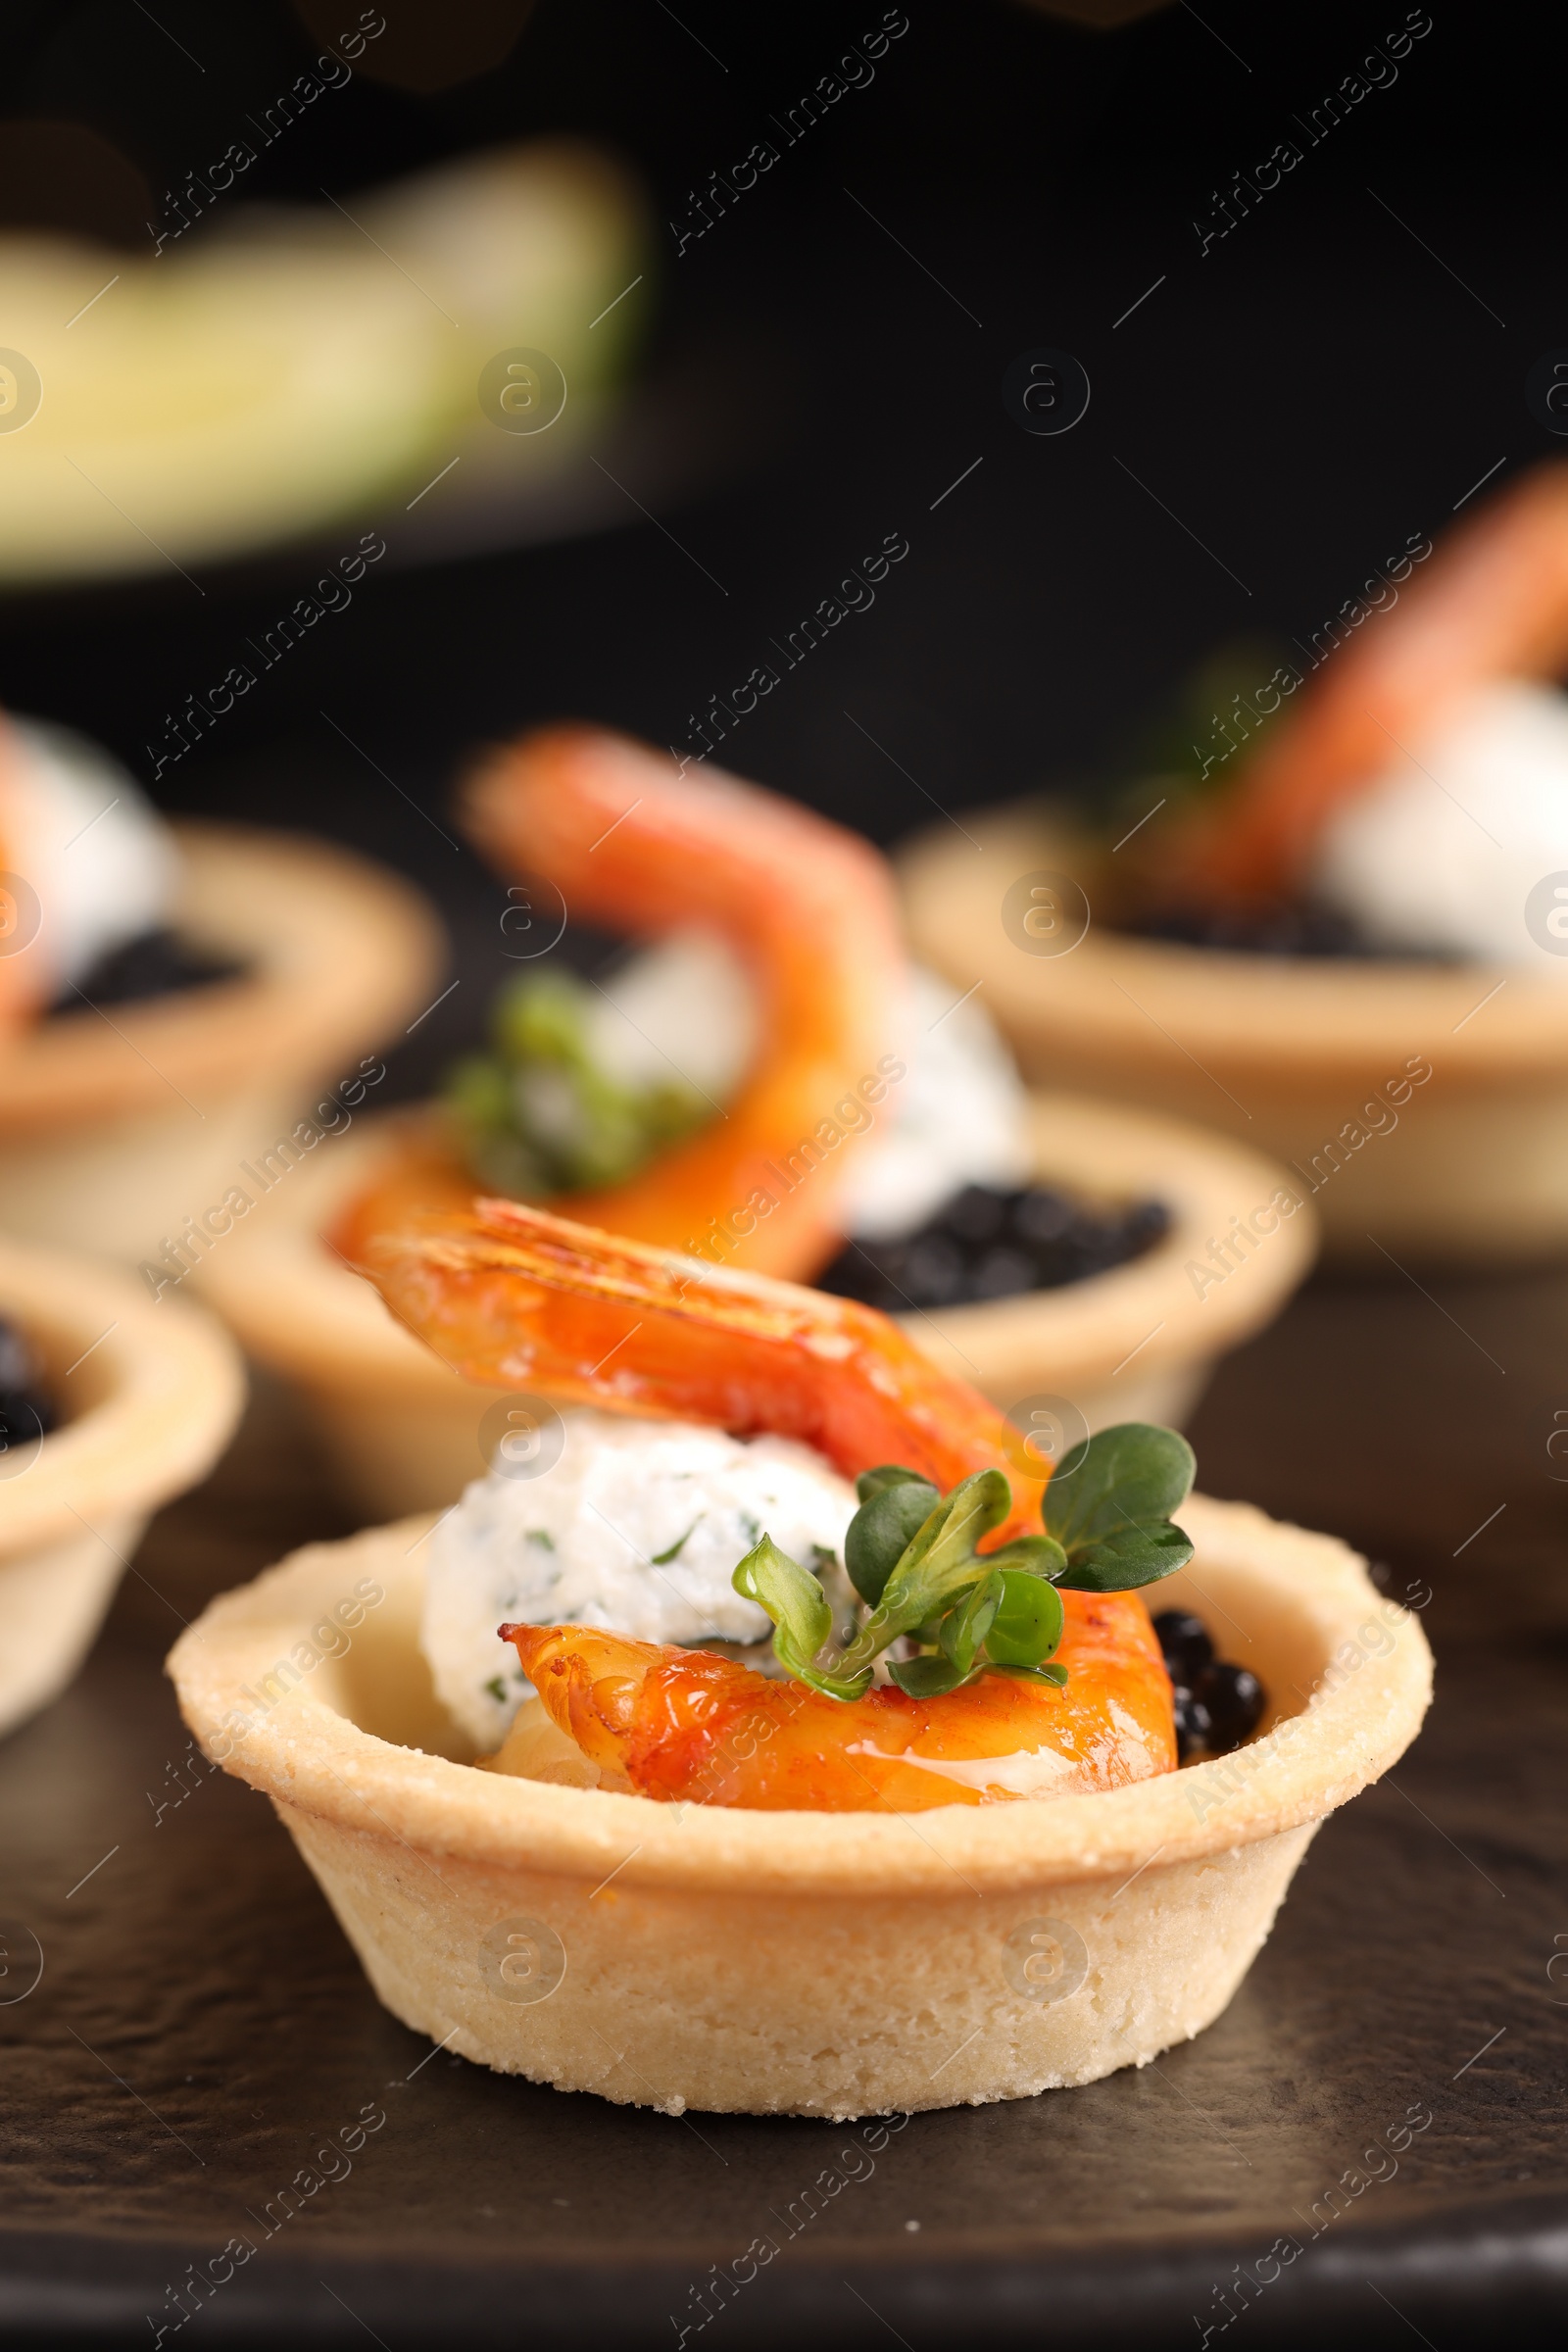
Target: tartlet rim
[[1272, 1020], [163, 1389], [307, 1755]]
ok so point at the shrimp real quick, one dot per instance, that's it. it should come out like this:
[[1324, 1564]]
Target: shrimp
[[682, 1725], [514, 1296], [633, 844], [1493, 605]]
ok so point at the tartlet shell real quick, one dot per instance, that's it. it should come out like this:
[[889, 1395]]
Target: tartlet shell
[[1134, 1344], [114, 1127], [153, 1394], [801, 1963], [1284, 1051]]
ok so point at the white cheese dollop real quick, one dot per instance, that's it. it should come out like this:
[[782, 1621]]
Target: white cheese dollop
[[78, 826], [960, 1117], [637, 1527], [686, 1008], [1446, 848]]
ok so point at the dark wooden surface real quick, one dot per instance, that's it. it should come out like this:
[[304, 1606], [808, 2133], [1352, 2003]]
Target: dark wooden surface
[[201, 2024]]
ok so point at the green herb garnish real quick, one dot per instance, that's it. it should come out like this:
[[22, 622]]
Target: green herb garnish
[[913, 1557], [662, 1559], [537, 1113]]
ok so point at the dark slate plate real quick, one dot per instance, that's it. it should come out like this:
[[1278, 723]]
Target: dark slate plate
[[200, 2026]]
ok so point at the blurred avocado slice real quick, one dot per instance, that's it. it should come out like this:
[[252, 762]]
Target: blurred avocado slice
[[279, 368]]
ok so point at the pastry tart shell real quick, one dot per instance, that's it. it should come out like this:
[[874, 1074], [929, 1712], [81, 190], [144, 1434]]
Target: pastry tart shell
[[1137, 1344], [115, 1126], [682, 1956], [152, 1394], [1288, 1052]]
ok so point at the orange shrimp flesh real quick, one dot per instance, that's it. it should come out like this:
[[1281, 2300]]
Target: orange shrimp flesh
[[682, 1725], [513, 1297], [636, 846], [1493, 604]]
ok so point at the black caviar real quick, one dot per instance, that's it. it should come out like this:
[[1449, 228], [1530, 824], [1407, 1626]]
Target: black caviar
[[155, 963], [25, 1412], [1288, 927], [985, 1244], [1218, 1705]]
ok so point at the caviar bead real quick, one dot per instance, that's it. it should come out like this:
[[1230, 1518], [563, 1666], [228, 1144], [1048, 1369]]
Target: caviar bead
[[1232, 1696], [976, 1215], [1184, 1644], [1193, 1727]]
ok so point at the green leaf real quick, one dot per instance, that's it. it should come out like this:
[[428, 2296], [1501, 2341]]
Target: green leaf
[[1109, 1506], [1121, 1477], [936, 1566], [801, 1618], [1028, 1622], [789, 1593], [1056, 1676], [882, 1531], [1135, 1555], [872, 1483], [927, 1678], [1041, 1555], [969, 1622]]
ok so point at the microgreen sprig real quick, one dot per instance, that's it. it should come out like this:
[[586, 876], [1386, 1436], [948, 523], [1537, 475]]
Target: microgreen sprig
[[912, 1555]]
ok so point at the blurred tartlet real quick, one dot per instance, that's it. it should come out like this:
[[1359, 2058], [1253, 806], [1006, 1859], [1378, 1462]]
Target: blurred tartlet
[[111, 1405], [1348, 949], [174, 996]]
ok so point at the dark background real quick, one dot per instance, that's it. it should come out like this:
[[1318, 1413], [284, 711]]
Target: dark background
[[1323, 383]]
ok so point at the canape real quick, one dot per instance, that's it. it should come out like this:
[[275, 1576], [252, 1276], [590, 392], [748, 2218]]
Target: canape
[[940, 1853], [178, 999], [110, 1405], [769, 1084], [1347, 943], [1420, 1105]]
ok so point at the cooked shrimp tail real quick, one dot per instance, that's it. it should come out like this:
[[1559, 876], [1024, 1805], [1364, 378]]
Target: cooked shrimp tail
[[516, 1297], [1491, 603], [684, 1725], [634, 845]]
